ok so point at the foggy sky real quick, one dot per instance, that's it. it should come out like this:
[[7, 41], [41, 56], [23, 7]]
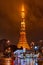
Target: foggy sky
[[10, 19]]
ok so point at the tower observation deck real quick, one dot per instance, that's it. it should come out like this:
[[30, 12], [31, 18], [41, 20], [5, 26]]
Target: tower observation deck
[[22, 40]]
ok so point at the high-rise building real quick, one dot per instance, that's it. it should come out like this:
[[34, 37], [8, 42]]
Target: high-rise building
[[22, 40]]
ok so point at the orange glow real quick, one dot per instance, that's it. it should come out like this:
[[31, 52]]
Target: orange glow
[[22, 7], [23, 12]]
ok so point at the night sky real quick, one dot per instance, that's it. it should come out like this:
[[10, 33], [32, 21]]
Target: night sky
[[10, 19]]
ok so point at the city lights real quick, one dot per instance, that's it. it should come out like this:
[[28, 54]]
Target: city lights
[[24, 17]]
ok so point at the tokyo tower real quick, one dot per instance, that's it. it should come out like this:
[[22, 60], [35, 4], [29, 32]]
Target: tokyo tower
[[22, 40]]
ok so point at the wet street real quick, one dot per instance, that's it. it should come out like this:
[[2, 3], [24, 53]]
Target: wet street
[[6, 61], [10, 61]]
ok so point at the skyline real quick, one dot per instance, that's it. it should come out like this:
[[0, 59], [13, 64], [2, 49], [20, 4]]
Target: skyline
[[10, 19]]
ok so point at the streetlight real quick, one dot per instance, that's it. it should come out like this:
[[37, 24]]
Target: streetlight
[[36, 48]]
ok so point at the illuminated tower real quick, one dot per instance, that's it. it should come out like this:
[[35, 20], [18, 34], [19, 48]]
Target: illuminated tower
[[23, 41]]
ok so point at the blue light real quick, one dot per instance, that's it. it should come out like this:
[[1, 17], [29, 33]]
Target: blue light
[[36, 48]]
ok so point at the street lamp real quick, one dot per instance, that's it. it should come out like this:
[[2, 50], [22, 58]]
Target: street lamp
[[36, 48]]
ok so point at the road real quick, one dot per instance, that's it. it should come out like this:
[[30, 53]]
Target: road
[[10, 61]]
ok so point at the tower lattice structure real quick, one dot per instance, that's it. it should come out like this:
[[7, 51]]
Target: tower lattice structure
[[23, 40]]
